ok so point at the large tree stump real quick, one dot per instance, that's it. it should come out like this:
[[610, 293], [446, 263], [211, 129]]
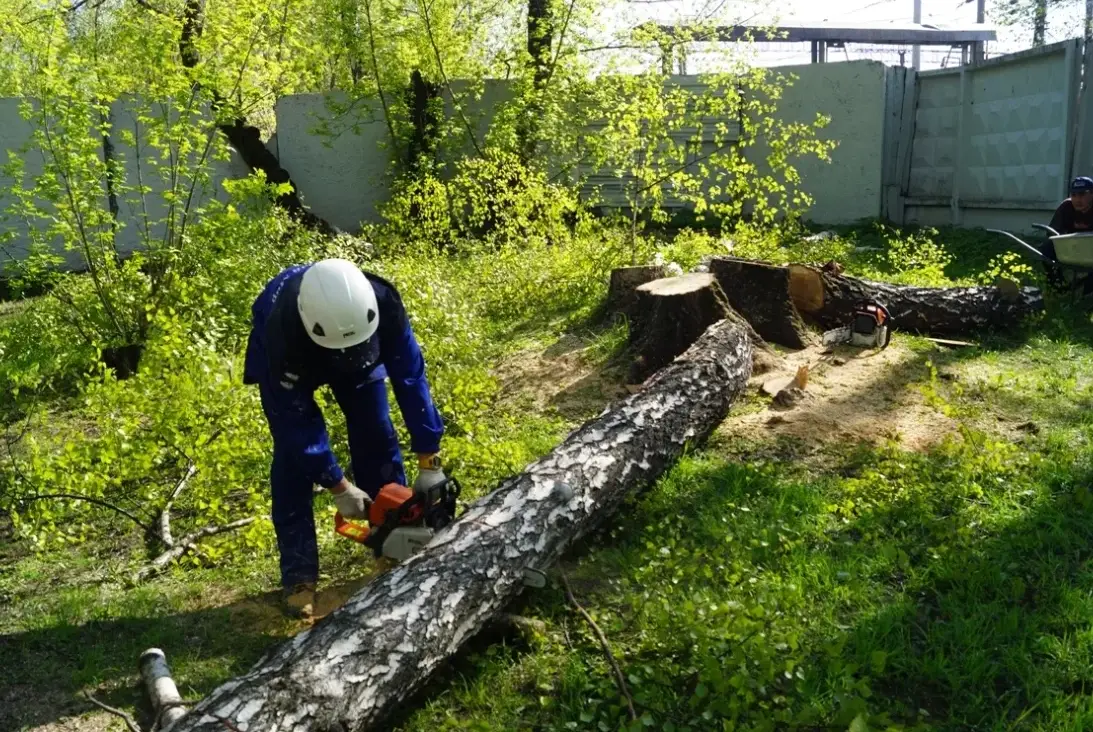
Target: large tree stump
[[760, 293], [358, 664], [625, 280], [668, 316], [830, 299]]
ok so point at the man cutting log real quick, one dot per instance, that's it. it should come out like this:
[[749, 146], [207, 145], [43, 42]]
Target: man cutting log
[[329, 323]]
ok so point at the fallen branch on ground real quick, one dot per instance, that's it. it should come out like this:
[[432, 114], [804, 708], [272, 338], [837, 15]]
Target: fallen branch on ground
[[187, 543], [129, 722], [165, 514], [620, 680]]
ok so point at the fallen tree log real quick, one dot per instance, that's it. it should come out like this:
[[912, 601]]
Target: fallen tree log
[[829, 300], [355, 667], [668, 316], [760, 292]]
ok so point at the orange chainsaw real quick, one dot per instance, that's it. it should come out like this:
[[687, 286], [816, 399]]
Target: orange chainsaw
[[401, 521]]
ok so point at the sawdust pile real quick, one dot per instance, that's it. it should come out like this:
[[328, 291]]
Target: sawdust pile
[[850, 394]]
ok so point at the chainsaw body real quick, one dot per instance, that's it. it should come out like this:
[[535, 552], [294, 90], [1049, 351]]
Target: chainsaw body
[[401, 521], [870, 327]]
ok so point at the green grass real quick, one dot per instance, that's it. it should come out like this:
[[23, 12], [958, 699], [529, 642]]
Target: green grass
[[948, 590], [759, 586]]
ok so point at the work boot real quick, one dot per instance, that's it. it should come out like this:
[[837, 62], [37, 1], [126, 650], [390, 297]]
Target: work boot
[[300, 600]]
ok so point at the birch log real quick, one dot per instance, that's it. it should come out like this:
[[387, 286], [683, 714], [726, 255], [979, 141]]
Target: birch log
[[829, 300], [162, 692], [355, 667]]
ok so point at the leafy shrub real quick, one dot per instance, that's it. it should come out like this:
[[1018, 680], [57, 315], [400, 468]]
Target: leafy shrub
[[495, 199], [131, 442]]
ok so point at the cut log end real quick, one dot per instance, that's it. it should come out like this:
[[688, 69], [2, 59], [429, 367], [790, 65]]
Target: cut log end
[[681, 285]]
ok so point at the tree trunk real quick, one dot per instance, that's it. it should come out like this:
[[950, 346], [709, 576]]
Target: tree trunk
[[245, 138], [1039, 23], [830, 299], [760, 293], [669, 315], [423, 119], [621, 295], [355, 667], [539, 40]]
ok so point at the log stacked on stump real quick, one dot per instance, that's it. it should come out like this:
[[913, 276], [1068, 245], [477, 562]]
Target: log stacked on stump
[[668, 315], [829, 300], [760, 293], [360, 663]]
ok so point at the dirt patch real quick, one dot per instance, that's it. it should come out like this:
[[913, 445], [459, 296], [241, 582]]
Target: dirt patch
[[852, 395], [561, 376], [90, 722]]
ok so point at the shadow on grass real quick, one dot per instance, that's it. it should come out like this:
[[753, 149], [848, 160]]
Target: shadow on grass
[[996, 631], [42, 671]]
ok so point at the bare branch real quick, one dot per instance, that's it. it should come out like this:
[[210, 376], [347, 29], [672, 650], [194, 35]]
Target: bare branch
[[73, 497], [165, 514], [132, 725], [620, 681], [187, 543]]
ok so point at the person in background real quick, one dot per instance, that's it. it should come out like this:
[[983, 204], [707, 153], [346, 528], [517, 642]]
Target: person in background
[[1074, 215], [329, 323]]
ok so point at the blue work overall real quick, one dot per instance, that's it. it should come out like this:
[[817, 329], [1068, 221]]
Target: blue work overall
[[288, 369]]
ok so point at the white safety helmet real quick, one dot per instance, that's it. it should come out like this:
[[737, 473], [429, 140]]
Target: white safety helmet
[[337, 304]]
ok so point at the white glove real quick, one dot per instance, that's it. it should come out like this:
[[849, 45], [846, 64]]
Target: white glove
[[428, 478], [352, 502]]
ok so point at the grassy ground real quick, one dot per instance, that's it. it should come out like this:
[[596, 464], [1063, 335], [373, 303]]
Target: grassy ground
[[776, 580]]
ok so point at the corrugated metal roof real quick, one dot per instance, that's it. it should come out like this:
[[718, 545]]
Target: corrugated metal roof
[[909, 33]]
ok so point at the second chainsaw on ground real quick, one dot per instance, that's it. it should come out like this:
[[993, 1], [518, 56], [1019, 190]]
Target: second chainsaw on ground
[[870, 327], [401, 521]]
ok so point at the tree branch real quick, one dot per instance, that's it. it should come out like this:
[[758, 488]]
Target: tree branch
[[73, 497], [376, 73], [165, 514], [187, 543], [620, 681], [132, 725], [444, 76]]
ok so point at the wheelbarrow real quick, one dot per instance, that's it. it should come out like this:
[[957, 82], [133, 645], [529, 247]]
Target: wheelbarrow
[[1073, 255]]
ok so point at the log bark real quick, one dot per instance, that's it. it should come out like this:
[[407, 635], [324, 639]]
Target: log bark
[[162, 692], [668, 316], [355, 667], [624, 281], [760, 292], [830, 299]]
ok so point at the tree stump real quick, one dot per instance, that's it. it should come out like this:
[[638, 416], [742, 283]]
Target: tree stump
[[624, 281], [760, 292], [668, 316], [829, 300], [358, 665]]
